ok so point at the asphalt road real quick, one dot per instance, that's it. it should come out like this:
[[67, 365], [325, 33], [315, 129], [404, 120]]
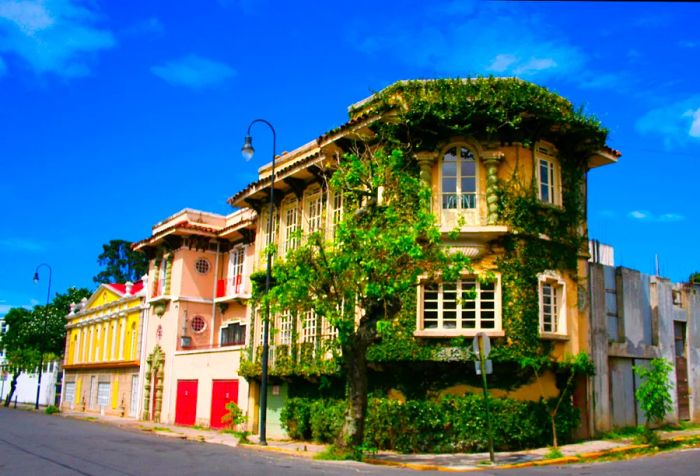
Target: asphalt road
[[38, 444]]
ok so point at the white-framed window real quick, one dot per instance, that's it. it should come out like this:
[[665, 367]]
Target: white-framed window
[[329, 331], [548, 175], [269, 235], [458, 179], [463, 307], [236, 268], [284, 328], [336, 211], [290, 214], [552, 297], [233, 334], [308, 327], [202, 265], [314, 210]]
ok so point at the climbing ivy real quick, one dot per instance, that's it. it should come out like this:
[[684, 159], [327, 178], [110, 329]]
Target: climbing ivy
[[422, 116]]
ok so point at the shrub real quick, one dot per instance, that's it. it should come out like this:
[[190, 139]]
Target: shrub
[[51, 409], [449, 424], [654, 394]]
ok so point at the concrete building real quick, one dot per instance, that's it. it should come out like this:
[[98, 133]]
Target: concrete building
[[636, 317]]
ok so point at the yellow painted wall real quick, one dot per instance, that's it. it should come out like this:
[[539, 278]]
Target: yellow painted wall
[[532, 391], [115, 391]]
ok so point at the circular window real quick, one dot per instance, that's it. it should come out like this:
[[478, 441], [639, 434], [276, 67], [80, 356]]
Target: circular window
[[198, 324], [202, 266]]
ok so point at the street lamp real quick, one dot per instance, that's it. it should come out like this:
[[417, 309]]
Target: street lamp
[[41, 349], [248, 151]]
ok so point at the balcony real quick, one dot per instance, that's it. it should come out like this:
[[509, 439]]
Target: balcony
[[231, 289]]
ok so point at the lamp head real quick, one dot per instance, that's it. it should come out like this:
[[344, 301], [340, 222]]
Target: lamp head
[[247, 149], [36, 277]]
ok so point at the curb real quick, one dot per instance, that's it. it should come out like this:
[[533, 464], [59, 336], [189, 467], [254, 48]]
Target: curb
[[275, 449]]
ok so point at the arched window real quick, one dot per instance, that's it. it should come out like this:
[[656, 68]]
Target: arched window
[[458, 179]]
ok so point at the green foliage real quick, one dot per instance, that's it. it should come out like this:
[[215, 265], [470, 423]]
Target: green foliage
[[654, 392], [234, 420], [694, 278], [120, 263], [449, 424], [51, 409]]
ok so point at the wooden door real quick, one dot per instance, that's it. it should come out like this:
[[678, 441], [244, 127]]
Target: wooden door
[[681, 371], [186, 404], [223, 392]]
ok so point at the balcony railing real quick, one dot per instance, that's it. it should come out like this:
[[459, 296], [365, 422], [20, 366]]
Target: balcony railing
[[234, 287]]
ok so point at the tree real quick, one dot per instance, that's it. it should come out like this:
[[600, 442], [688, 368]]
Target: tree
[[358, 279], [19, 345], [654, 393], [120, 263], [694, 278], [571, 367], [34, 334]]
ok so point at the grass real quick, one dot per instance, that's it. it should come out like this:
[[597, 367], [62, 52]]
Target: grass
[[336, 454], [553, 453], [161, 428]]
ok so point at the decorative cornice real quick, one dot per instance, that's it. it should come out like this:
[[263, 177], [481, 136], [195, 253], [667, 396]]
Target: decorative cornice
[[119, 364]]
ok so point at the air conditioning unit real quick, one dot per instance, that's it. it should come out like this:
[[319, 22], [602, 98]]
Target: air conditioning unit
[[185, 341]]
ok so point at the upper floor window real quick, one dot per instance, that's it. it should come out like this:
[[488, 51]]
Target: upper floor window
[[202, 265], [314, 211], [552, 303], [285, 328], [233, 334], [336, 214], [308, 327], [290, 213], [465, 306], [458, 179], [548, 176], [269, 232]]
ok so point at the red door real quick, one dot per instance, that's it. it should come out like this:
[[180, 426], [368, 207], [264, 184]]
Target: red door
[[186, 404], [223, 392]]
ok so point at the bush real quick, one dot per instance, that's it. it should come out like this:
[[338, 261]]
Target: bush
[[450, 424], [51, 409]]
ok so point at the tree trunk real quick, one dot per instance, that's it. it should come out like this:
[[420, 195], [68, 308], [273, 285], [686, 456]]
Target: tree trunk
[[555, 440], [355, 359], [13, 386]]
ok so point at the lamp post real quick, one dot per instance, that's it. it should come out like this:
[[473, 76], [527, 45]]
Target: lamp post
[[41, 349], [248, 151]]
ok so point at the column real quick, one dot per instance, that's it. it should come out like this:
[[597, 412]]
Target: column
[[76, 351], [426, 160], [491, 160], [113, 355], [122, 322]]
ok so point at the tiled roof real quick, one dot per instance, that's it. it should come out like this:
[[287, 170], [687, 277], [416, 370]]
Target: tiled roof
[[121, 287]]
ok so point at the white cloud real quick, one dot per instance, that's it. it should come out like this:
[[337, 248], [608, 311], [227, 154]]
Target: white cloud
[[52, 36], [22, 244], [194, 72], [644, 215], [482, 38], [675, 122], [695, 124]]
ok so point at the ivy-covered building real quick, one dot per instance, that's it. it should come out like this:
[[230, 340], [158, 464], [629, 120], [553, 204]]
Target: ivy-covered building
[[506, 162]]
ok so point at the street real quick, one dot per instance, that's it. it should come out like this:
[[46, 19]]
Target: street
[[38, 444]]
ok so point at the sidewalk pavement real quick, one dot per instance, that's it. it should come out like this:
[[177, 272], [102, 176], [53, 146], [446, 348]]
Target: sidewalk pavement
[[442, 462]]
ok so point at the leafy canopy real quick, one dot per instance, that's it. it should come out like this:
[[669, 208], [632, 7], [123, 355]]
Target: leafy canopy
[[120, 263]]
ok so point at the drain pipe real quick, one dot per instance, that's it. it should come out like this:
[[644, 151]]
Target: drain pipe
[[213, 298]]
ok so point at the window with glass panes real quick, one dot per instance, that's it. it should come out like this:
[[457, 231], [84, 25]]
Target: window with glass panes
[[458, 179], [233, 334], [550, 307], [463, 305], [269, 232], [285, 328], [236, 262], [548, 191], [314, 211], [308, 327], [291, 225], [337, 213]]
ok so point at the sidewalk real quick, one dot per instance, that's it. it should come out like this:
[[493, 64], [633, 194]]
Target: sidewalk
[[444, 462]]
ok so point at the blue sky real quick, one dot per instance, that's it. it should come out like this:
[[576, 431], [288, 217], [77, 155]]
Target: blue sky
[[117, 114]]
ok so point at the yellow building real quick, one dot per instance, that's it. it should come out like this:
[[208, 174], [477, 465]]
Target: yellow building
[[103, 342]]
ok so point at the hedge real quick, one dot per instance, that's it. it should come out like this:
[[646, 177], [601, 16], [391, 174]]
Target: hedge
[[450, 424]]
